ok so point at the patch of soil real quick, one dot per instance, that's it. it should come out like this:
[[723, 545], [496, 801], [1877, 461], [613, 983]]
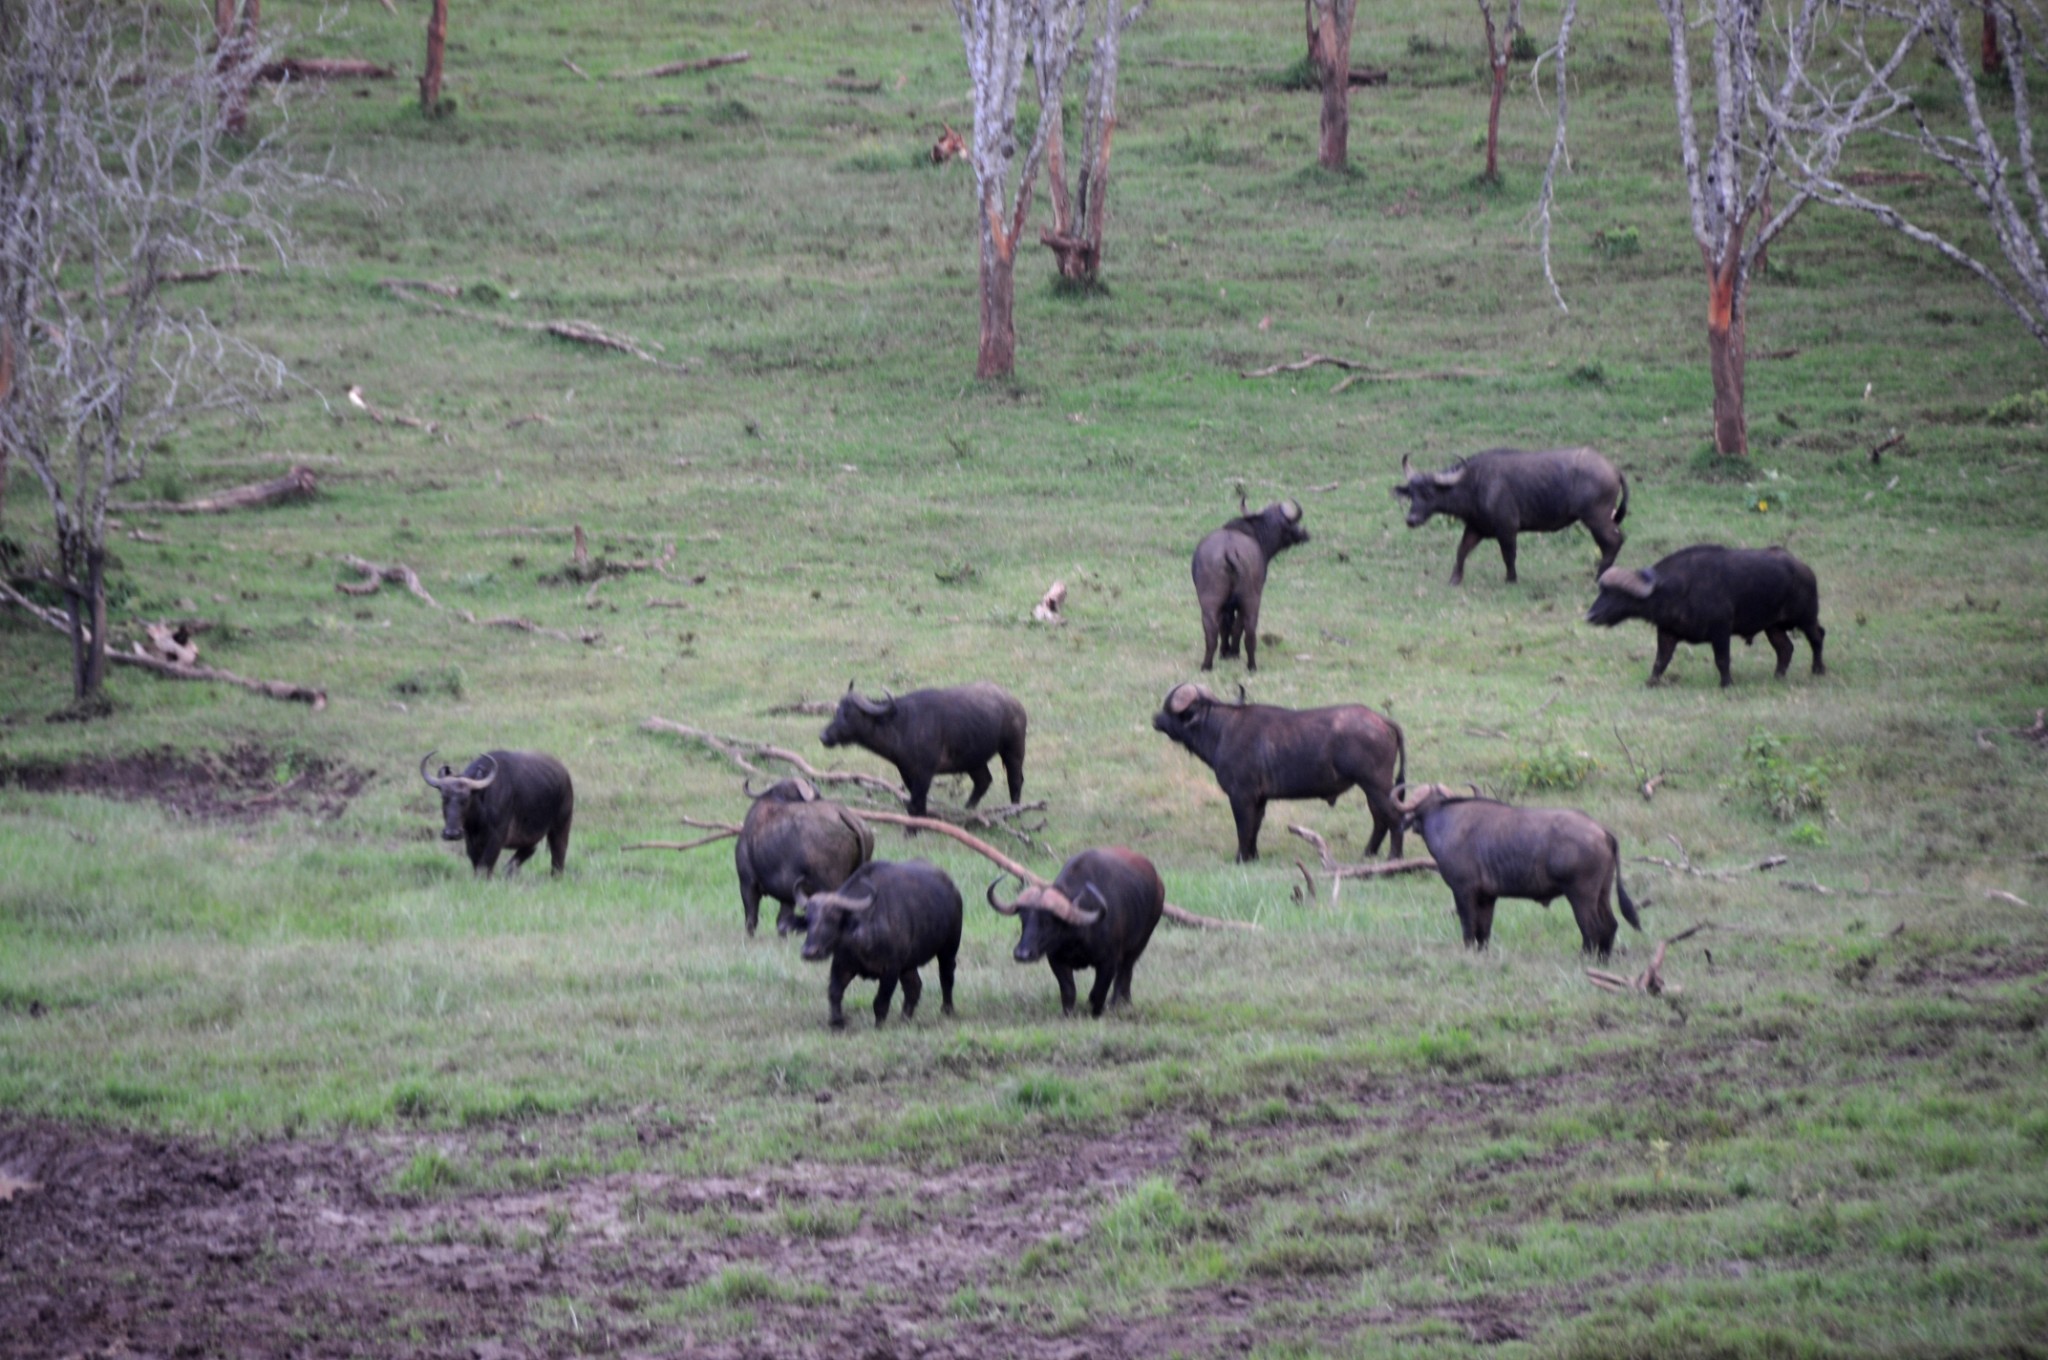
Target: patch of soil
[[246, 784], [129, 1244], [1982, 966]]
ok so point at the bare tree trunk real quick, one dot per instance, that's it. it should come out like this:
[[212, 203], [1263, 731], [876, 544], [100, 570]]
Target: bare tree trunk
[[998, 354], [1329, 53], [1990, 53], [1726, 327], [6, 390], [437, 40], [234, 39], [1500, 85]]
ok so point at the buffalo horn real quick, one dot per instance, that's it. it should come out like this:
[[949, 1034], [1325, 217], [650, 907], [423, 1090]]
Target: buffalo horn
[[870, 707], [1007, 909], [1182, 698], [1628, 582], [826, 901], [484, 783], [1240, 694], [1056, 903], [747, 787], [1475, 791], [1290, 511], [432, 782], [1407, 471]]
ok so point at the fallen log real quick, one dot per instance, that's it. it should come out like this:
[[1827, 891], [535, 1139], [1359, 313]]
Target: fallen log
[[375, 575], [322, 68], [679, 68], [296, 484], [362, 403]]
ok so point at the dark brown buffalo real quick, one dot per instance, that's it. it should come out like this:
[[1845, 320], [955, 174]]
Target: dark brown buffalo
[[1230, 577], [885, 922], [1099, 913], [1260, 752], [1708, 593], [930, 732], [1487, 850], [506, 800], [1505, 492], [794, 843]]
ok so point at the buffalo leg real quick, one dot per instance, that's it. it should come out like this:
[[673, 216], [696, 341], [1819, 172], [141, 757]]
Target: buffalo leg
[[750, 903], [982, 779], [1098, 995], [920, 788], [946, 962], [835, 992], [1386, 818], [1720, 643], [1597, 926], [885, 992], [1065, 977], [1229, 629], [1507, 555], [1122, 995], [1667, 643], [1248, 813], [483, 858], [1248, 617], [558, 848], [913, 988], [1466, 544], [1608, 535], [519, 857], [1013, 773], [1463, 902], [1482, 920], [1781, 643], [1815, 635], [1212, 629]]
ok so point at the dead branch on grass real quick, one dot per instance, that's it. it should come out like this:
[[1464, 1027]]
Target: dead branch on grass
[[296, 484], [322, 68], [580, 332], [1646, 783], [362, 403], [374, 575], [678, 68], [589, 637], [530, 418], [1339, 872], [738, 749], [574, 67], [1684, 865], [1877, 452], [1047, 610], [721, 831], [1309, 359]]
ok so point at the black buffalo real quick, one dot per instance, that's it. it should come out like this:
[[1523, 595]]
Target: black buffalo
[[794, 843], [930, 732], [1487, 850], [1504, 492], [1708, 593], [1260, 752], [506, 800], [1230, 577], [1099, 913], [885, 922]]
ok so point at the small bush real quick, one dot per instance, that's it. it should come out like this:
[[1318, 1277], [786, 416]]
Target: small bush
[[444, 680], [1553, 767], [1522, 47], [2021, 408], [1617, 242], [1788, 788], [429, 1171]]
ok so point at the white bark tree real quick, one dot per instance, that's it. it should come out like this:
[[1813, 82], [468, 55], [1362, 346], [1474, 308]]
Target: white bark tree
[[998, 34], [114, 177], [1989, 151], [1079, 212]]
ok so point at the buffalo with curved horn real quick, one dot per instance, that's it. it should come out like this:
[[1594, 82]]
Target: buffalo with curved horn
[[792, 844], [1230, 577], [1505, 492], [1487, 850], [930, 732], [1712, 594], [506, 800], [885, 922], [1108, 937]]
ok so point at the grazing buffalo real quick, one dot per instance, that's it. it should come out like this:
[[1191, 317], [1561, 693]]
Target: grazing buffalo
[[794, 843], [1260, 752], [930, 732], [506, 800], [1708, 593], [885, 922], [1504, 492], [1099, 913], [1487, 850], [1230, 577]]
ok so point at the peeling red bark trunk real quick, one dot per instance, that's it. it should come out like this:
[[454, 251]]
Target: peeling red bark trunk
[[1726, 325], [437, 42], [997, 357], [1500, 85], [1329, 52], [1990, 53]]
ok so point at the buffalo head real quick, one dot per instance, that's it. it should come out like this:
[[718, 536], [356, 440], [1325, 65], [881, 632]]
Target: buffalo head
[[857, 717], [1427, 493], [455, 790], [830, 915], [1040, 906]]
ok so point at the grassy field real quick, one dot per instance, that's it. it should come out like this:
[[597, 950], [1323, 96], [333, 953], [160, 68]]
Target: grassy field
[[1341, 1134]]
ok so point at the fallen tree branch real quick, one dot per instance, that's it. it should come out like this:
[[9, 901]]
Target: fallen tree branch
[[577, 69], [738, 749], [1308, 359], [322, 68], [1012, 867], [1047, 610], [721, 831], [1339, 872], [1684, 864], [678, 68], [1418, 375], [581, 332], [362, 403], [589, 637], [1878, 451], [375, 575], [296, 484]]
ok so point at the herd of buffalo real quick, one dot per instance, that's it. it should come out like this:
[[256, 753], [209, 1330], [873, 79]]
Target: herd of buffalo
[[884, 920]]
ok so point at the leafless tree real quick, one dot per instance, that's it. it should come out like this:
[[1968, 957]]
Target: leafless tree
[[1500, 43], [437, 43], [1329, 56], [998, 34], [236, 24], [114, 175], [1990, 151], [1078, 213]]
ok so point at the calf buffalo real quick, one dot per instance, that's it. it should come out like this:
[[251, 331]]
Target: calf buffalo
[[1230, 577], [1487, 850], [885, 922], [506, 800], [1504, 492], [1099, 913], [1708, 593], [794, 843], [930, 732], [1260, 752]]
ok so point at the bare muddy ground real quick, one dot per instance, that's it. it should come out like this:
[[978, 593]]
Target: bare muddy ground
[[246, 784], [131, 1245]]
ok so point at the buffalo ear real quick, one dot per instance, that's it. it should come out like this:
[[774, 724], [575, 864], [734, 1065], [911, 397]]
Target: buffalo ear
[[1403, 489], [447, 770]]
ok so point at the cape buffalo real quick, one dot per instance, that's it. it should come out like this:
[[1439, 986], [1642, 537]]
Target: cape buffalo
[[793, 843], [930, 732], [1487, 850], [1099, 913], [1708, 593], [1230, 577], [1504, 492], [885, 922], [1260, 752], [506, 800]]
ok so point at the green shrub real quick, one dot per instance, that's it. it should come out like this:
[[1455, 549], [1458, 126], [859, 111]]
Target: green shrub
[[1553, 767], [1788, 788], [2021, 408], [1618, 241]]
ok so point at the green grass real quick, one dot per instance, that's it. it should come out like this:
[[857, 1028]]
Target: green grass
[[1847, 1092]]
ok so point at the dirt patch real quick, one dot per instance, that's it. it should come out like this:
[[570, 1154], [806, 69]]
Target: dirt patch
[[246, 784], [121, 1245], [1979, 967]]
